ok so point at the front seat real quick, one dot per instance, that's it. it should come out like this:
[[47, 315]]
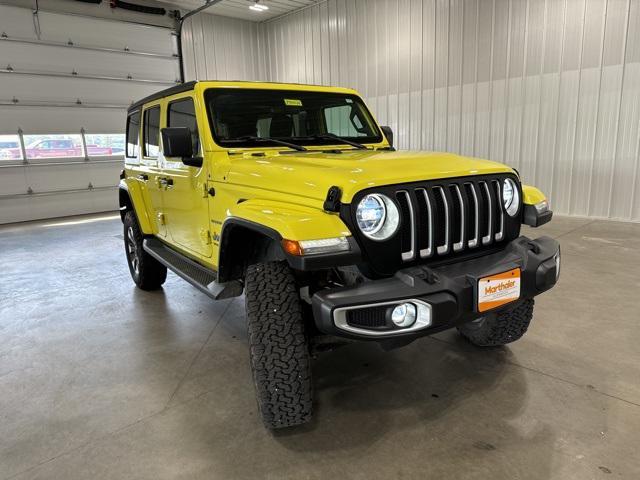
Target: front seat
[[281, 126], [241, 127]]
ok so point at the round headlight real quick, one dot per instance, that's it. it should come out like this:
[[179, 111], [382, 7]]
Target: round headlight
[[510, 196], [377, 216]]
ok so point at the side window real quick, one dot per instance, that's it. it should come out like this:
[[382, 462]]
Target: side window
[[151, 132], [342, 121], [182, 113], [133, 134]]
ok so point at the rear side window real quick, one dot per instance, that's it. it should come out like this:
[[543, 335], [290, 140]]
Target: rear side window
[[182, 113], [151, 132], [133, 134]]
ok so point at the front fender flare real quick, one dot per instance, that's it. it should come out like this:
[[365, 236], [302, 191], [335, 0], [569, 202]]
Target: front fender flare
[[277, 221]]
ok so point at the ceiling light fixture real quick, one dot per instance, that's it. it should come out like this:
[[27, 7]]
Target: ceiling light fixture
[[258, 7]]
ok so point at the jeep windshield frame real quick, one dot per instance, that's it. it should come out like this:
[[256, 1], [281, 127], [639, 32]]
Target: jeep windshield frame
[[248, 118]]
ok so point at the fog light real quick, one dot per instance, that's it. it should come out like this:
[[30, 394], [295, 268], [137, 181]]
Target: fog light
[[404, 315]]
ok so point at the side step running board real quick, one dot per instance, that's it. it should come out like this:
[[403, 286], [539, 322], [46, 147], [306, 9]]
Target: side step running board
[[200, 277]]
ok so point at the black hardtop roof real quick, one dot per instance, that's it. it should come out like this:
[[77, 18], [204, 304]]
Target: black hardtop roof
[[185, 87], [182, 87]]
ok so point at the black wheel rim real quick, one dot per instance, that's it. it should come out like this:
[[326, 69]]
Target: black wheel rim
[[132, 251]]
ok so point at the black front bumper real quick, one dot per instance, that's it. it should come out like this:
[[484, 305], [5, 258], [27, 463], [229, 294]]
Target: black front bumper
[[450, 290]]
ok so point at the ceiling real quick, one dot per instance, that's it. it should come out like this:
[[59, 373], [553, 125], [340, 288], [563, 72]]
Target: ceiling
[[240, 8]]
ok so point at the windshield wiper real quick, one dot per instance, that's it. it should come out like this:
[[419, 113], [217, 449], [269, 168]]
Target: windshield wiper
[[332, 136], [250, 138]]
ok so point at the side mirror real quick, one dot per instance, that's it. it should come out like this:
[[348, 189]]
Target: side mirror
[[388, 133], [176, 142]]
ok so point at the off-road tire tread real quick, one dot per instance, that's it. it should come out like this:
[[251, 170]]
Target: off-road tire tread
[[280, 358], [152, 273], [502, 328]]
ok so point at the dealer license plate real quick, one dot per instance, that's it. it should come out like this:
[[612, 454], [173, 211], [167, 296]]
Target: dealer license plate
[[497, 290]]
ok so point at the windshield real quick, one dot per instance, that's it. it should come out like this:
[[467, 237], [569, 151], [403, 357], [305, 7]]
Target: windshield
[[245, 117]]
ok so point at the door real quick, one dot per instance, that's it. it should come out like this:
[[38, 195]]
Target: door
[[186, 202], [150, 172]]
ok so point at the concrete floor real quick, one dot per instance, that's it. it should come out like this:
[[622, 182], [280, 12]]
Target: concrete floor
[[101, 380]]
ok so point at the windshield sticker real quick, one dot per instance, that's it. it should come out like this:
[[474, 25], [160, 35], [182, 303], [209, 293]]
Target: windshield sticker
[[292, 102]]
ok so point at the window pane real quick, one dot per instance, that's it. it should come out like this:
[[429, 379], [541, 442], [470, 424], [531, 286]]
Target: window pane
[[53, 146], [297, 116], [104, 144], [10, 147], [151, 132], [183, 114], [341, 121], [133, 134]]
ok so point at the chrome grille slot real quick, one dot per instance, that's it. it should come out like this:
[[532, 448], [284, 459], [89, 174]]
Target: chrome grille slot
[[500, 226], [443, 214], [408, 227], [459, 218], [474, 214], [486, 192], [426, 222]]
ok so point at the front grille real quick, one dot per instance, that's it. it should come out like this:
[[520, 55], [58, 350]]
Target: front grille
[[439, 219], [450, 218]]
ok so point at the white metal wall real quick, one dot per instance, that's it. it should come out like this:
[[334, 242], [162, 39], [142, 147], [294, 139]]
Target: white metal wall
[[220, 48], [62, 73], [551, 87]]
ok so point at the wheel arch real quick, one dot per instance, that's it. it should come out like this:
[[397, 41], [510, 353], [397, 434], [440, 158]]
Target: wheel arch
[[130, 199], [243, 243]]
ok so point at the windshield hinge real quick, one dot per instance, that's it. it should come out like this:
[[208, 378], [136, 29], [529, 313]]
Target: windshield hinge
[[332, 202]]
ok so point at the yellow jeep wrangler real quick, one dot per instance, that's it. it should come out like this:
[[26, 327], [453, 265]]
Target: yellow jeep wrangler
[[295, 196]]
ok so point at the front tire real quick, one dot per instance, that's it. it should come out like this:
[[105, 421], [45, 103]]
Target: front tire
[[279, 350], [499, 328], [147, 272]]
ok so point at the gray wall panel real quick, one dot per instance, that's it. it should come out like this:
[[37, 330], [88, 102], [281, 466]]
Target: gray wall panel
[[221, 48], [551, 87]]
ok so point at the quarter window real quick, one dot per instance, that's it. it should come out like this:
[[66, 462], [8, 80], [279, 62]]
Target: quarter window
[[133, 134], [151, 132], [182, 113]]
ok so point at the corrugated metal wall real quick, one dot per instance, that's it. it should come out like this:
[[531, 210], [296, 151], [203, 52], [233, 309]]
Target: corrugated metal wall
[[215, 47], [551, 87]]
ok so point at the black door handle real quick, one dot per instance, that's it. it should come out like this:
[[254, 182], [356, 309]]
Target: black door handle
[[165, 182]]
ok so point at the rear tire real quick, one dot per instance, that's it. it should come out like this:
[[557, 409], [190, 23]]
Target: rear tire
[[279, 349], [499, 328], [146, 271]]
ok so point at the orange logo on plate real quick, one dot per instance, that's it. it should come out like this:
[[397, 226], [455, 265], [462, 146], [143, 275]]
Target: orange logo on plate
[[499, 289]]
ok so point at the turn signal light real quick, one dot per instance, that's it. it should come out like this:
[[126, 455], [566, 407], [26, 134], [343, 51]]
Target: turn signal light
[[292, 247], [314, 247]]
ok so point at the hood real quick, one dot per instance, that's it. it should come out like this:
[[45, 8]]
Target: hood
[[311, 174]]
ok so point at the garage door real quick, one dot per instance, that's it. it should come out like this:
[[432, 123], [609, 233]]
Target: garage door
[[65, 84]]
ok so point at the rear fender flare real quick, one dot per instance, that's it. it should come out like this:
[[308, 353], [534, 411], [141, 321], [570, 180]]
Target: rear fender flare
[[130, 199]]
